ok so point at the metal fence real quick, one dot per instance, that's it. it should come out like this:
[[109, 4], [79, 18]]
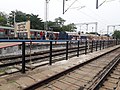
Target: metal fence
[[91, 46]]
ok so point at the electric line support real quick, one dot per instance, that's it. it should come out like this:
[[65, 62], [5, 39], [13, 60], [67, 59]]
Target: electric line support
[[98, 5], [114, 26]]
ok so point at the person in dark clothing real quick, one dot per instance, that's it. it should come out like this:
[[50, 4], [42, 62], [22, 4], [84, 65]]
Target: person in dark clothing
[[50, 36], [43, 36]]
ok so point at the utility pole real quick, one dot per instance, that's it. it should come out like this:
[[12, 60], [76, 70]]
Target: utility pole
[[68, 7], [96, 27], [96, 4], [14, 18], [107, 30], [46, 15], [15, 32], [86, 27], [63, 6]]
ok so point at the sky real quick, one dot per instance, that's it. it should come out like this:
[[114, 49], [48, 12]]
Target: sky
[[107, 14]]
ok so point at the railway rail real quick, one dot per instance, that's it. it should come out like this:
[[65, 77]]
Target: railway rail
[[111, 77], [83, 76]]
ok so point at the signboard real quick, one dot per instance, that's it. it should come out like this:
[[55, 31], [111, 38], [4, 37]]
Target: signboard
[[22, 27]]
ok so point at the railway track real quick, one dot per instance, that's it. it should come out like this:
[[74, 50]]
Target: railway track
[[111, 79], [84, 76]]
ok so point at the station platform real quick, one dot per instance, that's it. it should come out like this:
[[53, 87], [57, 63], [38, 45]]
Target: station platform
[[19, 81], [8, 44]]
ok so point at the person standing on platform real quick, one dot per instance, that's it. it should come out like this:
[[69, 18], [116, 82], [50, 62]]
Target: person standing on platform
[[50, 36], [43, 36]]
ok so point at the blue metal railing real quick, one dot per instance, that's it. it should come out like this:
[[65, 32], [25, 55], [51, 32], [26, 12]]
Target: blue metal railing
[[93, 43]]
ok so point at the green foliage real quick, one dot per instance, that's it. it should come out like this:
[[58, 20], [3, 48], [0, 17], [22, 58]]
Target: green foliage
[[67, 28], [58, 25], [116, 34], [19, 17], [59, 21], [3, 19], [36, 23]]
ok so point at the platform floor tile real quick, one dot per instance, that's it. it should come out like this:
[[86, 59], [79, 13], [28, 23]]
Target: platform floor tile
[[25, 81], [10, 86], [38, 76]]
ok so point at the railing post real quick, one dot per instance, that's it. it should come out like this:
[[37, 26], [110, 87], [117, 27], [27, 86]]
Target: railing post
[[103, 44], [100, 44], [78, 49], [23, 57], [112, 42], [116, 41], [66, 50], [92, 47], [86, 47], [107, 43], [50, 62], [96, 44]]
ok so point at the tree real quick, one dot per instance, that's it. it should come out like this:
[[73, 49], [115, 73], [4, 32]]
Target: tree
[[59, 21], [116, 34], [36, 23], [58, 25], [3, 19], [19, 17], [70, 27]]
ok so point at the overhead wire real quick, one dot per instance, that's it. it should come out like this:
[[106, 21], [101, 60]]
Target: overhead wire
[[100, 20], [69, 6], [80, 7], [102, 3]]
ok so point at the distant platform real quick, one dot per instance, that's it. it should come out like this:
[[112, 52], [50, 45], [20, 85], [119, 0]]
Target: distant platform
[[8, 44]]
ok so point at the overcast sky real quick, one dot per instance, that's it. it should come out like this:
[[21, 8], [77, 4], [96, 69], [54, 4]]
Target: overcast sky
[[107, 14]]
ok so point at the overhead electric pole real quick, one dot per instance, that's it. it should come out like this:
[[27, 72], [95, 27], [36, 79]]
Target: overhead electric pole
[[63, 6], [15, 32], [96, 4], [68, 7]]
